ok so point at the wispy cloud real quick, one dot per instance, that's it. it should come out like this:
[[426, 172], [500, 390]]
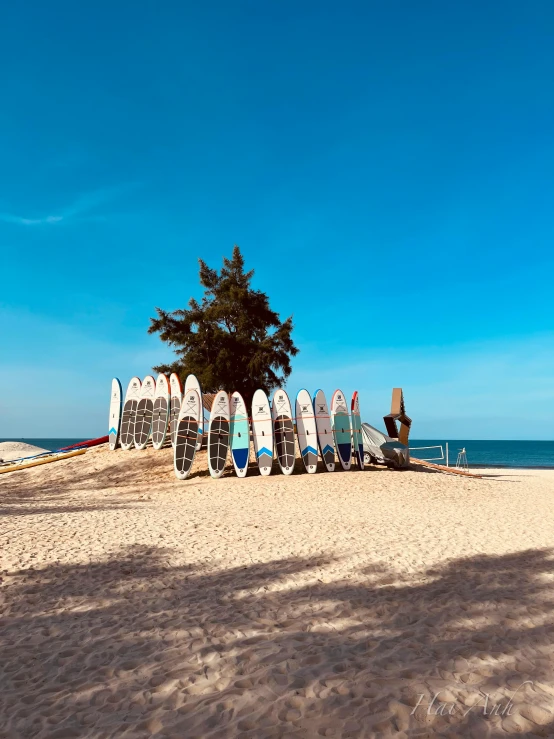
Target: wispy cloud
[[20, 221], [81, 209]]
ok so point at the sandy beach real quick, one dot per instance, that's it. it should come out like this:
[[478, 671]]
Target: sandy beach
[[374, 604]]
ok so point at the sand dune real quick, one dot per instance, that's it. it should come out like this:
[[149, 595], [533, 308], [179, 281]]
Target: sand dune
[[15, 449], [135, 605]]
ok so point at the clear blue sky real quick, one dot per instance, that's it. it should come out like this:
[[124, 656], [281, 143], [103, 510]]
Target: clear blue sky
[[402, 150]]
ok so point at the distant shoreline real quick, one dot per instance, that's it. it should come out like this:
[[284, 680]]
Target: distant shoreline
[[494, 454]]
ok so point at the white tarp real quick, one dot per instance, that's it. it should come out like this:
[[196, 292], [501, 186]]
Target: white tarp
[[383, 449], [373, 438]]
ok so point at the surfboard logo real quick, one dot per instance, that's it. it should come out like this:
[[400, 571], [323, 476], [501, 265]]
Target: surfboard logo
[[191, 403], [280, 404]]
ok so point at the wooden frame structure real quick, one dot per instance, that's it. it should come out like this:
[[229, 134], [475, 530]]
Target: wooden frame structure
[[398, 414]]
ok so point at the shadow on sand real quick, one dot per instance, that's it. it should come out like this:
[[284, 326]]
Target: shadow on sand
[[135, 647]]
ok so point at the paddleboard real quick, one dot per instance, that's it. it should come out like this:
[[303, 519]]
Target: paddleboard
[[283, 430], [132, 396], [357, 438], [145, 412], [115, 413], [218, 434], [262, 431], [306, 430], [161, 412], [324, 430], [175, 405], [240, 435], [187, 434], [192, 382], [340, 422]]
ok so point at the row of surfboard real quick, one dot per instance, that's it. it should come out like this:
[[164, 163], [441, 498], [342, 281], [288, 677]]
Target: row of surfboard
[[154, 408]]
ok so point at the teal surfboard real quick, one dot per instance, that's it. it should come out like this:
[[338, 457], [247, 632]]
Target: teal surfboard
[[240, 435], [340, 421]]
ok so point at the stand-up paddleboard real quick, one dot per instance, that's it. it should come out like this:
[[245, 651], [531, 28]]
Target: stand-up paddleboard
[[283, 429], [161, 412], [240, 435], [145, 412], [340, 421], [218, 434], [187, 434], [306, 430], [357, 438], [115, 413], [175, 405], [262, 431], [190, 383], [324, 430], [132, 396]]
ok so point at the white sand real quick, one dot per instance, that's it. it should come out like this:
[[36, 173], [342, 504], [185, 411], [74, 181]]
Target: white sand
[[15, 449], [135, 605]]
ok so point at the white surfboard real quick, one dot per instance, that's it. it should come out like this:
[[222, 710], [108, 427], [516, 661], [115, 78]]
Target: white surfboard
[[145, 412], [190, 383], [186, 438], [306, 430], [161, 411], [218, 434], [262, 431], [324, 431], [115, 413], [340, 422], [240, 435], [283, 430], [175, 405], [132, 396]]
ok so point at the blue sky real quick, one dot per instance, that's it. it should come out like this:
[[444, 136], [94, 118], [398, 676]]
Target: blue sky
[[403, 151]]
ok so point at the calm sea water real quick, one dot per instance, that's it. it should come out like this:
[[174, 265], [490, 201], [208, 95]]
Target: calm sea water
[[479, 453], [49, 444], [492, 453]]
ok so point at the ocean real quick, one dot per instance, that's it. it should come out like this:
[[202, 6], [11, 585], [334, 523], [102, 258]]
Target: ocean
[[49, 444], [531, 454]]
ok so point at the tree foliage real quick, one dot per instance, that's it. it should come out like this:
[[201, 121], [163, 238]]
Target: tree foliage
[[231, 339]]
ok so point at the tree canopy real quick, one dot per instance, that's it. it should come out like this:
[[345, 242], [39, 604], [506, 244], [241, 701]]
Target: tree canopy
[[231, 339]]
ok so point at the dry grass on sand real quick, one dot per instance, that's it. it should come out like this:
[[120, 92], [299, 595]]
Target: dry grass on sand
[[135, 605]]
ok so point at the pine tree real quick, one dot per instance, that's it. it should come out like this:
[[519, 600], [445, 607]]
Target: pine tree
[[231, 340]]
